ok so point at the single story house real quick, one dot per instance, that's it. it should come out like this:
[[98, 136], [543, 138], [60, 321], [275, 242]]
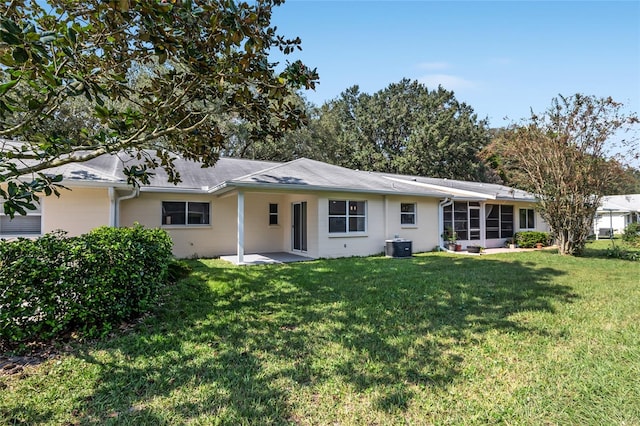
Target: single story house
[[615, 213], [302, 207]]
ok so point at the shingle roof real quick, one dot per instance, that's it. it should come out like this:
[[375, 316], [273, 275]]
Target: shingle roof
[[489, 190], [316, 175], [621, 203], [299, 174]]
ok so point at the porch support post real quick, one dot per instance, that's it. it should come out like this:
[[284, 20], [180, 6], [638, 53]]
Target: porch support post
[[483, 229], [240, 249], [386, 217]]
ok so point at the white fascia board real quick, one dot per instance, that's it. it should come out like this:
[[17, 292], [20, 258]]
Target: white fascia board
[[177, 189], [94, 184], [444, 189]]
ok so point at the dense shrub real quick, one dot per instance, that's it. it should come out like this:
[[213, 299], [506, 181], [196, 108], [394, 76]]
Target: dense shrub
[[631, 234], [528, 239], [53, 284]]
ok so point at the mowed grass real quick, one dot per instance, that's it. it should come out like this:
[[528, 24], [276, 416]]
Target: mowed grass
[[519, 338]]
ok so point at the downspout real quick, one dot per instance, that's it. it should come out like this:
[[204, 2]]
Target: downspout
[[134, 194], [112, 206], [444, 203], [386, 217]]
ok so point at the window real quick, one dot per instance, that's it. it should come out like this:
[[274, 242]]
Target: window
[[21, 225], [347, 216], [463, 218], [408, 214], [498, 221], [527, 219], [273, 214], [185, 213]]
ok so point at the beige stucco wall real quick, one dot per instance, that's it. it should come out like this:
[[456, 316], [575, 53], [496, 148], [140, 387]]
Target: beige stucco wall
[[220, 237], [339, 245], [424, 234], [259, 236], [189, 241], [383, 223], [77, 211]]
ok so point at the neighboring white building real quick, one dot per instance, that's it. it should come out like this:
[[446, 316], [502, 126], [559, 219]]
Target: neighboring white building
[[301, 207], [616, 212]]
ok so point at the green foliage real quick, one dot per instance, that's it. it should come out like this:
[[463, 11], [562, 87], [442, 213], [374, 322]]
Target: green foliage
[[563, 156], [618, 252], [80, 79], [528, 239], [405, 128], [53, 284], [450, 235], [631, 234]]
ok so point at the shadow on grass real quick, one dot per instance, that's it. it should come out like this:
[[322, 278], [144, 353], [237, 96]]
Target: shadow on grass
[[234, 343]]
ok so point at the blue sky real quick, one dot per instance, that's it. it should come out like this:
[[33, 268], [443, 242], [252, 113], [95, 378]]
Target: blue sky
[[501, 57]]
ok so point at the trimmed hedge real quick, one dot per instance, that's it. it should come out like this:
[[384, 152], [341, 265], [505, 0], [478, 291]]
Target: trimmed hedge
[[88, 284], [528, 239]]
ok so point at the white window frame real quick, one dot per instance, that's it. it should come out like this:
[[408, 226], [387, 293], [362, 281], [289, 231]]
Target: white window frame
[[186, 215], [527, 225], [413, 214], [347, 216]]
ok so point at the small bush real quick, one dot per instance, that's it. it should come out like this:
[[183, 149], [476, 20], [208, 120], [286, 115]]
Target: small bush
[[528, 239], [631, 234], [91, 283], [620, 253]]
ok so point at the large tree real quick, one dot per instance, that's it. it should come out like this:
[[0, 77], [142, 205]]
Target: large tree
[[406, 128], [130, 75], [563, 156], [310, 141]]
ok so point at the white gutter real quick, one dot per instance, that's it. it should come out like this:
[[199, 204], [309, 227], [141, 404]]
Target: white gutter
[[112, 206], [93, 184], [444, 203], [116, 216], [173, 190]]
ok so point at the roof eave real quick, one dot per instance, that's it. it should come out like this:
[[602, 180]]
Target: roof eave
[[94, 183], [284, 187]]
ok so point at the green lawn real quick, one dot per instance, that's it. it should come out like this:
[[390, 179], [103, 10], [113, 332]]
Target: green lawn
[[519, 338]]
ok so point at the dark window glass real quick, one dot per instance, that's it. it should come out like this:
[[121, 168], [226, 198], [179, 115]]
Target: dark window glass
[[273, 214], [356, 224], [337, 207], [185, 213], [356, 208], [338, 224], [198, 213], [173, 213]]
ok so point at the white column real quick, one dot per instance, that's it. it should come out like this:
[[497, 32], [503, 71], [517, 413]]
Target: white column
[[113, 213], [386, 217], [483, 224], [240, 227]]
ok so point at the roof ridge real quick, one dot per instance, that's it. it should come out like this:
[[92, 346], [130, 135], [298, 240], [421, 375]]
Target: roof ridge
[[275, 166]]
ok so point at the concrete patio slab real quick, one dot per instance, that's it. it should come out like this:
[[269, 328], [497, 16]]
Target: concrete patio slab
[[266, 258]]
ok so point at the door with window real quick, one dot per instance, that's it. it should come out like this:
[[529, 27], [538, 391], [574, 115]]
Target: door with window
[[474, 221], [299, 226]]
